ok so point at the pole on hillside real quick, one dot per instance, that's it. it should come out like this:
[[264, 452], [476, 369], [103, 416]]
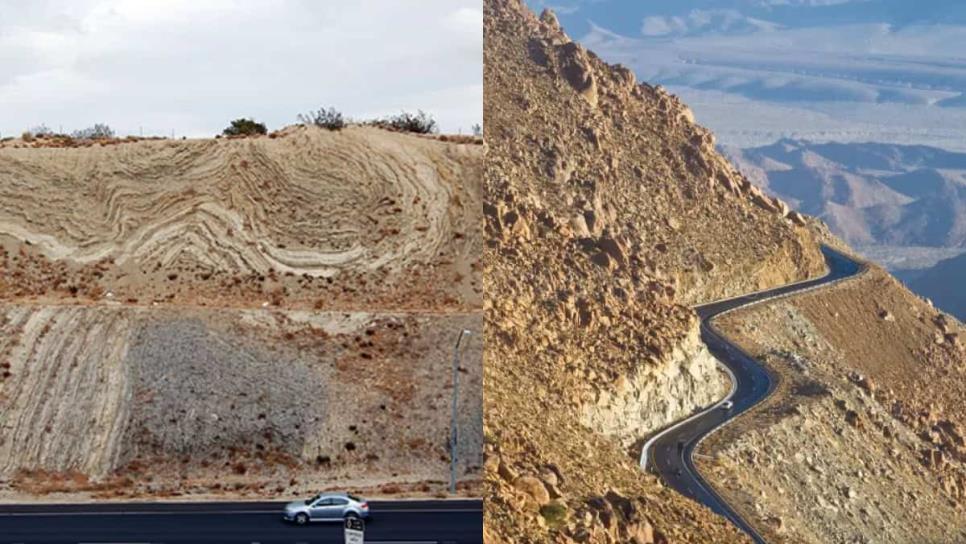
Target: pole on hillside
[[454, 429]]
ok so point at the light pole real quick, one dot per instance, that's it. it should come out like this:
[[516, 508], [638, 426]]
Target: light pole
[[454, 429]]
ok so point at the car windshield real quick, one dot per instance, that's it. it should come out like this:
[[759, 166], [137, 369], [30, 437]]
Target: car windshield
[[313, 499], [356, 499]]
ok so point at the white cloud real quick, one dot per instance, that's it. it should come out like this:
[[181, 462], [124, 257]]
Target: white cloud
[[191, 65]]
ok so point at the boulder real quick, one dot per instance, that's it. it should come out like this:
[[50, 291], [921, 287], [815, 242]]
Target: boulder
[[549, 18], [533, 488], [603, 260], [640, 532], [578, 72], [853, 419], [781, 206], [765, 203], [506, 472], [579, 224], [613, 249], [492, 464], [625, 76]]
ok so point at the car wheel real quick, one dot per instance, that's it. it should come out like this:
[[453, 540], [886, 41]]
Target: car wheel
[[352, 515], [301, 518]]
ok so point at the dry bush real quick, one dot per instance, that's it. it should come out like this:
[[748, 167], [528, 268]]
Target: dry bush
[[245, 127], [330, 119], [99, 131], [418, 123]]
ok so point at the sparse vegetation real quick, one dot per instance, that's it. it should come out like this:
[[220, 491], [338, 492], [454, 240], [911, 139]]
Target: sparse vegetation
[[555, 513], [99, 131], [330, 119], [41, 131], [245, 127], [419, 123]]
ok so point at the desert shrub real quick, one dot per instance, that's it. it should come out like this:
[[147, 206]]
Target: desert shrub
[[330, 119], [245, 127], [27, 136], [41, 131], [555, 513], [419, 123], [99, 131], [477, 130]]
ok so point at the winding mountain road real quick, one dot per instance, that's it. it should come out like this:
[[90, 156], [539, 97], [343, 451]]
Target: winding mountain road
[[670, 452]]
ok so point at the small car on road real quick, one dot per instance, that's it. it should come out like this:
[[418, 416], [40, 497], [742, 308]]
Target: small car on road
[[326, 507], [727, 405]]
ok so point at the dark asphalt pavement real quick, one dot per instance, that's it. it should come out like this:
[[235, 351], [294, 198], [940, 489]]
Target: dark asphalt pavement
[[402, 522], [671, 454]]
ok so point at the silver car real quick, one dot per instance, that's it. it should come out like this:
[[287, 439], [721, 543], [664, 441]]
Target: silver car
[[326, 507]]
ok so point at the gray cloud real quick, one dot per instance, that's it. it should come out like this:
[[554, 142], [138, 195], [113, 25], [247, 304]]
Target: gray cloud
[[191, 65]]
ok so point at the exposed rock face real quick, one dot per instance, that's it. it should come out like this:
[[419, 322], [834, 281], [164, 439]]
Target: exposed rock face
[[239, 222], [654, 396], [607, 213]]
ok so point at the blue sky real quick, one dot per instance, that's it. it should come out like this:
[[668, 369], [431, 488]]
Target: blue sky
[[626, 16]]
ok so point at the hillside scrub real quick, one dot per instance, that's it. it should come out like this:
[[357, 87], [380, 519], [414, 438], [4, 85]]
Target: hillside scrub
[[97, 132], [330, 119], [418, 123], [245, 127]]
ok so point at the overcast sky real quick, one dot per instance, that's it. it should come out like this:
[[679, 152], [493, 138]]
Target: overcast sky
[[190, 66]]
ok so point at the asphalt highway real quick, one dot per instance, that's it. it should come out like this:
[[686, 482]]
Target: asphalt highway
[[670, 452], [390, 522]]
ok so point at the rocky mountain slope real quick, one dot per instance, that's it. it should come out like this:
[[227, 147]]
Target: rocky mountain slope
[[260, 317], [607, 213], [864, 439]]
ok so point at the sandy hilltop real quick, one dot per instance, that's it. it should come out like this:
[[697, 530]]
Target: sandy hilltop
[[309, 218], [608, 214], [260, 317]]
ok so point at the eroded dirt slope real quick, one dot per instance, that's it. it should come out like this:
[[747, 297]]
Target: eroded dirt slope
[[165, 402], [607, 213]]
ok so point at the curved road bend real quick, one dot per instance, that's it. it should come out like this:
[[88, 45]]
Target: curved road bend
[[670, 452], [391, 522]]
